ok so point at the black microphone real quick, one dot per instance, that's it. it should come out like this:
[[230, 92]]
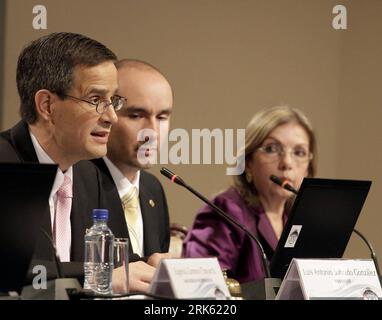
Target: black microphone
[[176, 179], [284, 184]]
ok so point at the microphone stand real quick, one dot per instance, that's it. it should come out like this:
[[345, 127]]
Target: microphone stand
[[372, 253], [56, 289], [55, 256], [263, 289]]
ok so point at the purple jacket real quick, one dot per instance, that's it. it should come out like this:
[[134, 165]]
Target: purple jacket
[[212, 236]]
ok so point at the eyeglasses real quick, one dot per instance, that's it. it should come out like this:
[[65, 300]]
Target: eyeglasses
[[274, 151], [102, 105]]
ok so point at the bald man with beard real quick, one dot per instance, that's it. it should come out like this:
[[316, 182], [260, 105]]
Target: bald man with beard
[[143, 122]]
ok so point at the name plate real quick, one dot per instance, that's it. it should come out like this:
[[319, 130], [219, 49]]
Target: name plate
[[327, 279], [190, 278]]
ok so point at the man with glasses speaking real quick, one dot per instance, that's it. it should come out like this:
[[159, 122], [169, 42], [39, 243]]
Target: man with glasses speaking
[[67, 85]]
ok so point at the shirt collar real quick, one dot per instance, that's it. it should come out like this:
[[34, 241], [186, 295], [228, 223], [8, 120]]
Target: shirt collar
[[122, 183], [43, 157], [41, 154]]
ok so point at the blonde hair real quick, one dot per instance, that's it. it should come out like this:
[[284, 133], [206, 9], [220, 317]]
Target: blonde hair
[[258, 129]]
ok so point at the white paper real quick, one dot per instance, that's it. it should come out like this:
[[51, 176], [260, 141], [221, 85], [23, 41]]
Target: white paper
[[331, 279], [190, 278]]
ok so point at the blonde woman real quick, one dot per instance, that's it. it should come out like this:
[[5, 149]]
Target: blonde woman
[[279, 141]]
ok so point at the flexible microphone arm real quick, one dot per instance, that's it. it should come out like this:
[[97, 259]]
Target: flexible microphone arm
[[176, 179], [372, 252], [284, 184], [55, 256]]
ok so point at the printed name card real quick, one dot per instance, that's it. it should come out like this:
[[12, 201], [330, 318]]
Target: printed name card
[[328, 279], [190, 278]]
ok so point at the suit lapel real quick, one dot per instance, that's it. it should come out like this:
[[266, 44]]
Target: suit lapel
[[79, 218], [117, 221], [43, 248], [21, 140], [148, 210]]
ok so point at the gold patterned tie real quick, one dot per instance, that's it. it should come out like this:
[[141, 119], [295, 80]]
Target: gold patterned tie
[[130, 202]]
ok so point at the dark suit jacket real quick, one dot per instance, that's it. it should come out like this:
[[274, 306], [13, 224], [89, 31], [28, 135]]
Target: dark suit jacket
[[156, 229], [16, 146]]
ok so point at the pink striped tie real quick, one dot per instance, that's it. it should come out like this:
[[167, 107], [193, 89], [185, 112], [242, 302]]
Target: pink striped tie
[[62, 228]]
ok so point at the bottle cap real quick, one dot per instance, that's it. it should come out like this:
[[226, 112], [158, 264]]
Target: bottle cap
[[100, 214]]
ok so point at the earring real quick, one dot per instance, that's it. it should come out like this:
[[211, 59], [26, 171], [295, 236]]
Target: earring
[[248, 176]]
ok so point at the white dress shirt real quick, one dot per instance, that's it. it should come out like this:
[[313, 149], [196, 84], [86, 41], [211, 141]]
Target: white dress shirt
[[123, 186], [44, 158]]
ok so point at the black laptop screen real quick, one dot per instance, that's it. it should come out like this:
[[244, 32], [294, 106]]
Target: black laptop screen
[[321, 221], [24, 195]]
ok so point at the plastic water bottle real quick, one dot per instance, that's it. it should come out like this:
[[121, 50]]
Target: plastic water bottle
[[98, 264]]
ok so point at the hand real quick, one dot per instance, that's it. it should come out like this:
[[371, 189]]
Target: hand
[[155, 258], [140, 276], [119, 281]]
